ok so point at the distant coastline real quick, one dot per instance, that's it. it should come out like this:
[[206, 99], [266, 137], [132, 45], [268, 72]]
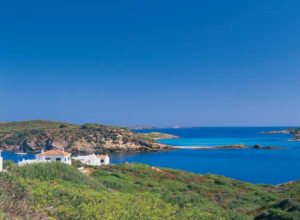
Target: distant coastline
[[230, 147], [293, 131], [286, 131]]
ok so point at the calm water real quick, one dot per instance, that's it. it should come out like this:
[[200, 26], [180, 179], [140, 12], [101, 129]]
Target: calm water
[[15, 157], [256, 166]]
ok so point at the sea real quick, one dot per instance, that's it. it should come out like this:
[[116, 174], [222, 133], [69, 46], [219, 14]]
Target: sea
[[251, 165]]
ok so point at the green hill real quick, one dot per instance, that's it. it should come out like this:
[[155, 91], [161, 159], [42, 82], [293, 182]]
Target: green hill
[[137, 191], [32, 136]]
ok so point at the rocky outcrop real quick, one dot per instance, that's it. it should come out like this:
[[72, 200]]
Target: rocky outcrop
[[156, 136], [276, 132], [223, 147], [231, 147], [89, 138], [295, 132], [142, 127], [259, 147]]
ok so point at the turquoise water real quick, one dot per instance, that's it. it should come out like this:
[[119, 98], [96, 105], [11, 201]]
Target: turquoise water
[[256, 166]]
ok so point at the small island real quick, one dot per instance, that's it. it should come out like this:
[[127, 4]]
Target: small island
[[259, 147], [221, 147], [276, 132]]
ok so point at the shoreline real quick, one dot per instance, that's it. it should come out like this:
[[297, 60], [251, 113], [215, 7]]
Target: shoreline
[[206, 147], [185, 170], [230, 147]]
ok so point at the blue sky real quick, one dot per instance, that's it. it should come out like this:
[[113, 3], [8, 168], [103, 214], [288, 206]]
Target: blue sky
[[163, 63]]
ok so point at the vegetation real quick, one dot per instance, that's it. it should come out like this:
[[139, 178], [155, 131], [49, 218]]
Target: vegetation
[[295, 132], [137, 191], [32, 136], [154, 136]]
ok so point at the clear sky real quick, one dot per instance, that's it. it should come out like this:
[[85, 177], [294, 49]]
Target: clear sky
[[163, 63]]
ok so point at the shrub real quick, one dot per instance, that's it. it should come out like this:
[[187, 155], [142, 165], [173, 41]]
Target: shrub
[[14, 199]]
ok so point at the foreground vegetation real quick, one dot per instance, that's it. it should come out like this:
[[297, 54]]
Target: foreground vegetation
[[137, 191]]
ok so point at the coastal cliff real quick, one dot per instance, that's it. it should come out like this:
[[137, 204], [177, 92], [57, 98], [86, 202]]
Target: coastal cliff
[[32, 136]]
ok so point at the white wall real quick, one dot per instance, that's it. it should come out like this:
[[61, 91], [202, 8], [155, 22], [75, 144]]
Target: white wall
[[92, 159], [63, 159], [106, 161]]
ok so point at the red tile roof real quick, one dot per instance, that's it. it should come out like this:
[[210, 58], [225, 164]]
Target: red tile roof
[[101, 156], [54, 153]]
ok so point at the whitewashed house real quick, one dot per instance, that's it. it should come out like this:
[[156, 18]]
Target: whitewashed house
[[55, 156], [93, 159], [49, 156]]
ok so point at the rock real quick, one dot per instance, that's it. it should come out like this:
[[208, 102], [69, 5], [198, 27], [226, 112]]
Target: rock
[[224, 147], [259, 147], [276, 132]]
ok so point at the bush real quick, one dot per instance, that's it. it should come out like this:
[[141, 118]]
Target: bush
[[51, 171], [14, 199], [9, 165], [76, 163]]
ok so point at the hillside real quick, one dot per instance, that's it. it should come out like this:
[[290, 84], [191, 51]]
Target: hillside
[[137, 191], [32, 136], [295, 132]]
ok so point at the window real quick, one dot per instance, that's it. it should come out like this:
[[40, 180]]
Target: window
[[58, 159], [47, 158], [102, 161]]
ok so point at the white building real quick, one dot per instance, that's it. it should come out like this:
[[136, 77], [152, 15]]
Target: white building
[[93, 159], [55, 156], [49, 156]]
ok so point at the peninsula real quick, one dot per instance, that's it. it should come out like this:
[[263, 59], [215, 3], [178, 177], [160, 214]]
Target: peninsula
[[33, 136]]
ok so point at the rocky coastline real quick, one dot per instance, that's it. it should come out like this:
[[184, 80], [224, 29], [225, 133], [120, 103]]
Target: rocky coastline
[[231, 147], [33, 136], [293, 131]]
